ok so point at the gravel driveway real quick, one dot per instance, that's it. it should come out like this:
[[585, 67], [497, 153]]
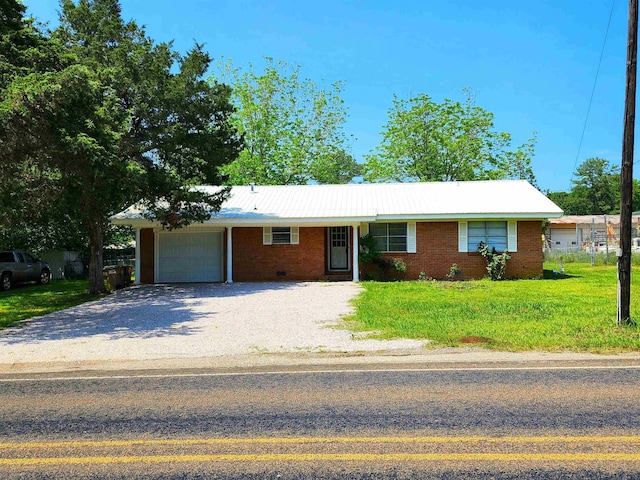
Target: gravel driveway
[[195, 321]]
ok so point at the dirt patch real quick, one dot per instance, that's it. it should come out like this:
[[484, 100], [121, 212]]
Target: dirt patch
[[475, 339]]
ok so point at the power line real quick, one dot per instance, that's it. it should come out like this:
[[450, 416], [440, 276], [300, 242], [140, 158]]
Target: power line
[[593, 91]]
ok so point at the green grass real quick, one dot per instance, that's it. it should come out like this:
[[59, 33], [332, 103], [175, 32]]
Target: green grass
[[575, 312], [28, 301]]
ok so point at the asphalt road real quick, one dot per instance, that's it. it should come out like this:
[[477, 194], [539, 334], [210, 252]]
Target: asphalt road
[[506, 423]]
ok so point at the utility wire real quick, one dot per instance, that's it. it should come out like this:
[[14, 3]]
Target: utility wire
[[593, 91]]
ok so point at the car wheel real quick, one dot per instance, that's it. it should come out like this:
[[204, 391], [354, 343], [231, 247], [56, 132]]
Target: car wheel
[[45, 276], [5, 282]]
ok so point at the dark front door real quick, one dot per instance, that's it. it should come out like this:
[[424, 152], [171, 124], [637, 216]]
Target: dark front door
[[338, 240]]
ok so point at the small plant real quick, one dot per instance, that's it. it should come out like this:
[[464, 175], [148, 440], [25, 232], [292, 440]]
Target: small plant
[[454, 272], [399, 265], [496, 262], [423, 277]]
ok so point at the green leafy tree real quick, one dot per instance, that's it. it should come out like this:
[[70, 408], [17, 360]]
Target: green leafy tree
[[429, 141], [570, 202], [121, 119], [598, 183], [595, 190], [292, 128]]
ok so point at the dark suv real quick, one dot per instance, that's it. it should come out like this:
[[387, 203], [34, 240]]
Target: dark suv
[[19, 267]]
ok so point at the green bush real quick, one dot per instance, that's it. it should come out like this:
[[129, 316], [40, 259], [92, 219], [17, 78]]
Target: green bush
[[368, 251], [386, 267], [496, 262]]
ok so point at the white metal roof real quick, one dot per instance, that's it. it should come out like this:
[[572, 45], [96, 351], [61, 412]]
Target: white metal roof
[[352, 203]]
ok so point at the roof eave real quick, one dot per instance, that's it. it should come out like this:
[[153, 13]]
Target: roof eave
[[471, 216], [139, 222]]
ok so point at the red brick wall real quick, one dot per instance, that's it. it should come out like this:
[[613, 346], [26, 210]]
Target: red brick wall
[[146, 255], [527, 261], [253, 261], [437, 250]]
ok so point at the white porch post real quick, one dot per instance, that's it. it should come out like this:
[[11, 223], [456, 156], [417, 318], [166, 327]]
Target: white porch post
[[137, 265], [356, 248], [229, 256]]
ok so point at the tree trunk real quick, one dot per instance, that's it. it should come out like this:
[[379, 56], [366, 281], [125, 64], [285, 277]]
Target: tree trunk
[[96, 239]]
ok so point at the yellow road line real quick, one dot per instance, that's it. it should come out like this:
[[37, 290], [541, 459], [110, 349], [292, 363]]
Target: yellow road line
[[627, 439], [306, 457]]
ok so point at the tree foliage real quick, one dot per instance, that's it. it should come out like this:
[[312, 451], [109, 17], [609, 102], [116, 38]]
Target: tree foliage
[[429, 141], [292, 128], [595, 190], [117, 118], [32, 197], [35, 213], [23, 47]]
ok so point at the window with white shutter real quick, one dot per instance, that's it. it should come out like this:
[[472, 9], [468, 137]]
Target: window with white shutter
[[280, 235]]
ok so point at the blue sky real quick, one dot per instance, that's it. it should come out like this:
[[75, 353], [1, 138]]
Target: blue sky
[[533, 64]]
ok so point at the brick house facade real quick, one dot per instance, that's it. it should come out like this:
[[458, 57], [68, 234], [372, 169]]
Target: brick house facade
[[313, 233], [308, 260]]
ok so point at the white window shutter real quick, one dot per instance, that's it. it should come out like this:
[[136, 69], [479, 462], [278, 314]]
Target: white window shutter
[[364, 229], [512, 236], [267, 238], [411, 237], [295, 235], [462, 237]]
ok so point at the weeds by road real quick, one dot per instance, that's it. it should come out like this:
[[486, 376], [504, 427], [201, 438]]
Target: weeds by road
[[574, 312]]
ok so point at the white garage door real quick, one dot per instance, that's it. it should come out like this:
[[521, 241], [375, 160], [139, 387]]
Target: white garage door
[[189, 257], [563, 239]]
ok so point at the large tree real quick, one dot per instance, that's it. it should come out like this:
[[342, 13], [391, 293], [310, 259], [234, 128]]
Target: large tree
[[598, 183], [292, 128], [120, 118], [429, 141]]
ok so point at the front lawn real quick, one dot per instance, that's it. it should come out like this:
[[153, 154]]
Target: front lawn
[[26, 301], [575, 312]]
